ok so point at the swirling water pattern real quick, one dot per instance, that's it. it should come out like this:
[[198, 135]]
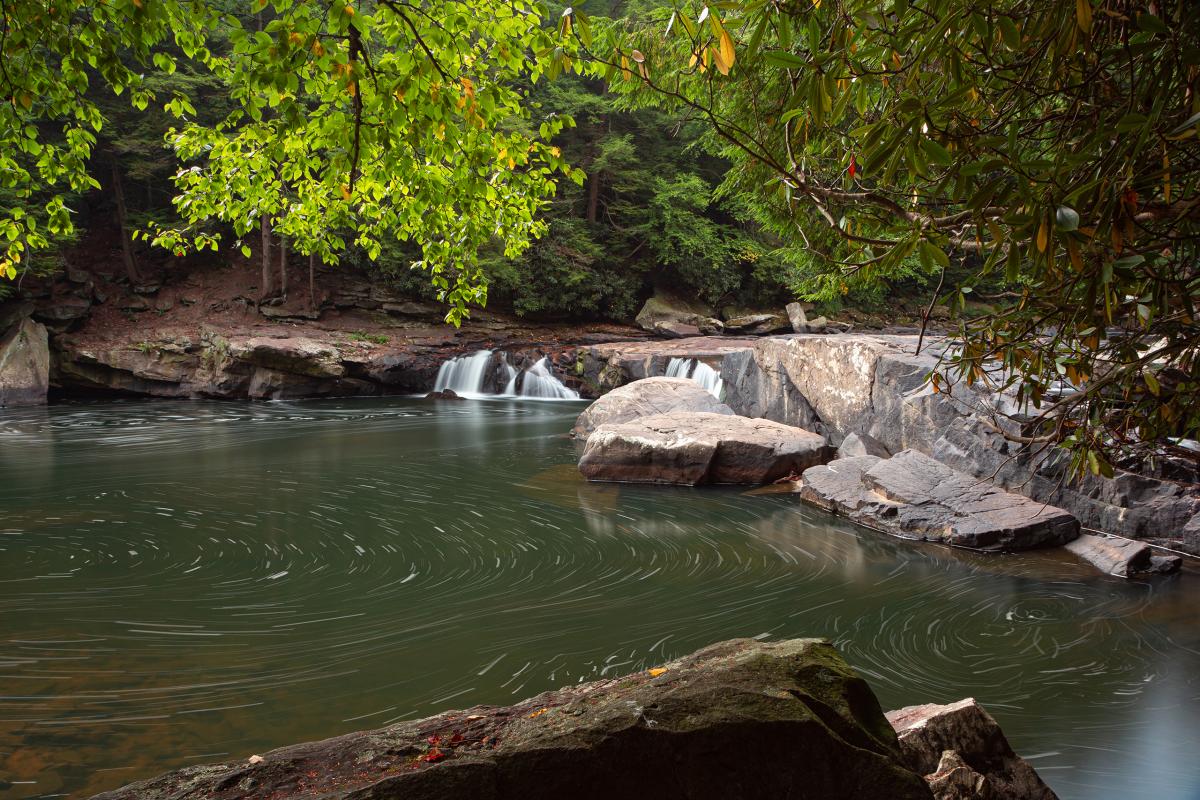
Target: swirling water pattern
[[192, 582]]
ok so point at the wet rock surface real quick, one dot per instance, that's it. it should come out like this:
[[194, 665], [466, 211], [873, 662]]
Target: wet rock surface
[[1124, 558], [24, 364], [737, 720], [914, 496], [693, 448], [645, 398], [963, 754]]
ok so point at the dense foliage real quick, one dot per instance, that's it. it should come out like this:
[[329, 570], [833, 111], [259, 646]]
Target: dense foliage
[[1050, 148]]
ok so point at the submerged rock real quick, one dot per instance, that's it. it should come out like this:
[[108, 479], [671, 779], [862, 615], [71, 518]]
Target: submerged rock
[[1124, 558], [443, 394], [692, 448], [740, 720], [914, 496], [24, 364], [647, 397], [963, 754]]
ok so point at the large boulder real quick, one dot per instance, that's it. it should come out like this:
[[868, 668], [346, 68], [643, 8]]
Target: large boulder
[[692, 448], [913, 496], [963, 754], [24, 364], [645, 398], [740, 720], [758, 324], [677, 318]]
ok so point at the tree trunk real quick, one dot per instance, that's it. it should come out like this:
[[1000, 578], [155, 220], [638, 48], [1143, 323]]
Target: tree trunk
[[265, 289], [312, 292], [593, 200], [283, 258], [122, 222]]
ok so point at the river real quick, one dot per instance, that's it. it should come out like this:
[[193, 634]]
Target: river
[[191, 582]]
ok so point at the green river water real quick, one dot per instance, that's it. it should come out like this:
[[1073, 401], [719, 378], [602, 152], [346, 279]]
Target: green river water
[[192, 582]]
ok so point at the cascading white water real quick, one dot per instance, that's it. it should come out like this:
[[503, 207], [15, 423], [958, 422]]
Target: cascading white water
[[464, 375], [539, 382], [698, 371]]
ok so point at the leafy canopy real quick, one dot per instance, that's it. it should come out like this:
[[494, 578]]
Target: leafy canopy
[[353, 123], [1046, 147]]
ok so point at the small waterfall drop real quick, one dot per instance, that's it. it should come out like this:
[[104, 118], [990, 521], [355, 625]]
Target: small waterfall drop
[[468, 376], [539, 382], [698, 371], [464, 375]]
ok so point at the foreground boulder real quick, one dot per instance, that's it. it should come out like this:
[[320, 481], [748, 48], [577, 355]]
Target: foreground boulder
[[24, 364], [738, 720], [692, 448], [964, 755], [1124, 558], [914, 496], [646, 398]]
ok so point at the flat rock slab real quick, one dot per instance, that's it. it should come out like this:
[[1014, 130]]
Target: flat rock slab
[[1124, 558], [740, 720], [963, 754], [646, 398], [692, 448], [914, 496]]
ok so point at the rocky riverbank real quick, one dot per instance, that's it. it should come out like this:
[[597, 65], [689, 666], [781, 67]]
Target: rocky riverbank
[[200, 335], [739, 719]]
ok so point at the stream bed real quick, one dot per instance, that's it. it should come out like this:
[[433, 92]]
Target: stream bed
[[186, 582]]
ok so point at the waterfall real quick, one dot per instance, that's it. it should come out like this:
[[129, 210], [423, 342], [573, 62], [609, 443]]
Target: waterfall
[[539, 382], [464, 375], [698, 371], [467, 376]]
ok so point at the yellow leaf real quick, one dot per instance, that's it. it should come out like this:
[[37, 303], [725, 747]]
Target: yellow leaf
[[1043, 237], [654, 673], [345, 192], [727, 53], [637, 56], [1073, 253], [26, 100], [1083, 14], [538, 713], [1166, 175], [555, 152], [348, 11]]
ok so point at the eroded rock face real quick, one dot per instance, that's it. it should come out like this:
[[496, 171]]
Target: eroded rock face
[[24, 364], [645, 398], [692, 448], [740, 720], [963, 754], [914, 496]]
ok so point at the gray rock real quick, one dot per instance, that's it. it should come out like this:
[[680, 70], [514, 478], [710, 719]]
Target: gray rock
[[134, 303], [862, 444], [675, 317], [24, 364], [797, 317], [740, 720], [758, 324], [1124, 558], [913, 496], [289, 314], [692, 448], [646, 398], [673, 329], [963, 754]]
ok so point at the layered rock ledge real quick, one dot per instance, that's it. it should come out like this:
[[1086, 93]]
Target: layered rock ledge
[[738, 720], [914, 496]]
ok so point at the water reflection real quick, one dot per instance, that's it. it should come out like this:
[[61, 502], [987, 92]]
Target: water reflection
[[186, 582]]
